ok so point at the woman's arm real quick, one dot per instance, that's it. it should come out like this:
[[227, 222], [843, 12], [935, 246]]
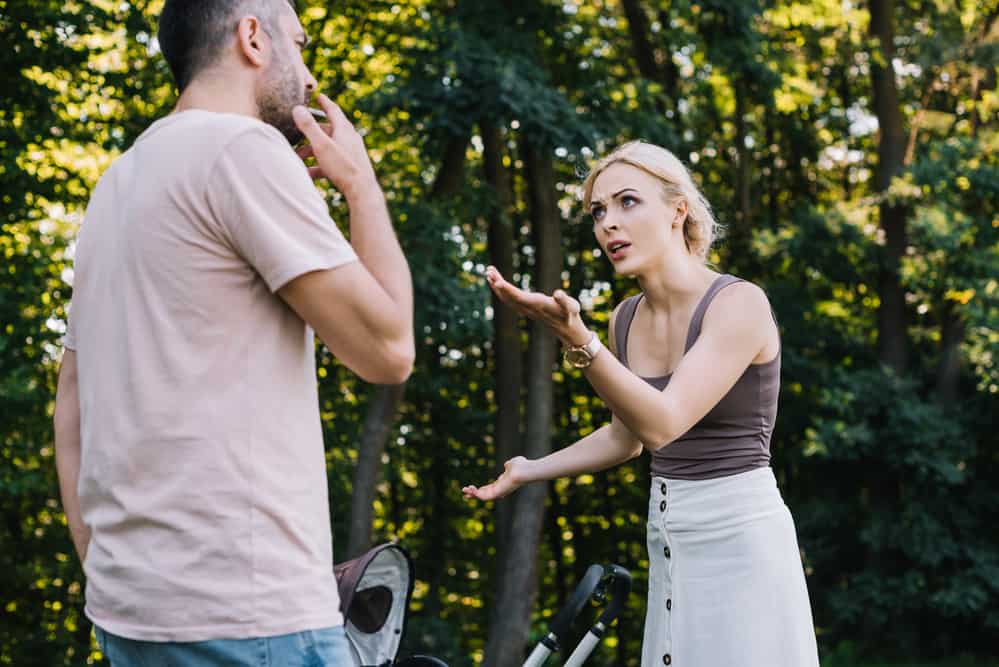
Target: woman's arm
[[604, 448], [735, 331]]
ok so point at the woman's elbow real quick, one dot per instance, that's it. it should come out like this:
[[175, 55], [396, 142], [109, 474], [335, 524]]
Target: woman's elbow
[[635, 451], [655, 440]]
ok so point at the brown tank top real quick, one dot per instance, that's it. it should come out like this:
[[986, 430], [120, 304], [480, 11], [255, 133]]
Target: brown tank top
[[734, 436]]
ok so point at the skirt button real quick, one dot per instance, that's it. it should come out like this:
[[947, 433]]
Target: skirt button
[[667, 660], [662, 506]]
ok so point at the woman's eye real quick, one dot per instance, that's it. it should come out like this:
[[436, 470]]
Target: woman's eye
[[627, 201], [597, 212]]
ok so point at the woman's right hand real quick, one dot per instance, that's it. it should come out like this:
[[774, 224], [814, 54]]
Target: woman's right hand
[[514, 476], [559, 312]]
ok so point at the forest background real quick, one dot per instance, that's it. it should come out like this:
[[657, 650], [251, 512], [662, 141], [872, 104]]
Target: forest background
[[848, 147]]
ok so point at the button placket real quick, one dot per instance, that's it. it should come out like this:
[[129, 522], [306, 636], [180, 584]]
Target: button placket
[[668, 647]]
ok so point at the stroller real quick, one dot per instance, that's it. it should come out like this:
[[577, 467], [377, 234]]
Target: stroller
[[375, 589]]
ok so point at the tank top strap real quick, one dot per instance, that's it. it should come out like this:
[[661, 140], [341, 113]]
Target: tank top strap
[[694, 329], [622, 325]]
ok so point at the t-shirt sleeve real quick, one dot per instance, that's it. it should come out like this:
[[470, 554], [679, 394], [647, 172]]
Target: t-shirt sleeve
[[267, 207]]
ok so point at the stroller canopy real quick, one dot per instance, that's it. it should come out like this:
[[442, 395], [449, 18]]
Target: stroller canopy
[[374, 594]]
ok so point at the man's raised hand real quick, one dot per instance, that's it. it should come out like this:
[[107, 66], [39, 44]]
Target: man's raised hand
[[338, 148]]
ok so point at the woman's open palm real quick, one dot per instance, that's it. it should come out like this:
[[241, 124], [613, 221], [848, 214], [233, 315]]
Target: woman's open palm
[[511, 480], [559, 312]]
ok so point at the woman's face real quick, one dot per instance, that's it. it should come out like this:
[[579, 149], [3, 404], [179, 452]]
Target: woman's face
[[633, 224]]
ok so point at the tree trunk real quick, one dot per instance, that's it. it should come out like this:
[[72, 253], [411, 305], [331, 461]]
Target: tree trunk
[[374, 437], [658, 69], [892, 319], [738, 238], [386, 399], [507, 353], [949, 368], [881, 483], [773, 206], [451, 177], [745, 174], [508, 636], [846, 101], [670, 72], [638, 28], [435, 484]]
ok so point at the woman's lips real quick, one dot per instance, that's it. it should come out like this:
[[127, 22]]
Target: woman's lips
[[617, 251]]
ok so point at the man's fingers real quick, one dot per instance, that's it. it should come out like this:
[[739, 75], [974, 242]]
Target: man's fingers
[[334, 113], [305, 151], [308, 125]]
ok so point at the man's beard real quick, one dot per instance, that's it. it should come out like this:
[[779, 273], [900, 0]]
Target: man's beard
[[280, 93]]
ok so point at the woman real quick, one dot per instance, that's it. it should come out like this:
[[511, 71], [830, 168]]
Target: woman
[[692, 374]]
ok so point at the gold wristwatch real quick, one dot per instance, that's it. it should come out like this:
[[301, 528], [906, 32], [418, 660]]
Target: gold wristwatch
[[581, 356]]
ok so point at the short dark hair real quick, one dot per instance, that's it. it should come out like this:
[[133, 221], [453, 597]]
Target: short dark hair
[[192, 33]]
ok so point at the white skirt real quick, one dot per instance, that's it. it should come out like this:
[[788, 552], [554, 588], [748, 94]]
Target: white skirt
[[726, 585]]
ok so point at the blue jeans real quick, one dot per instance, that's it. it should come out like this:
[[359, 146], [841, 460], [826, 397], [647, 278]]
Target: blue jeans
[[313, 648]]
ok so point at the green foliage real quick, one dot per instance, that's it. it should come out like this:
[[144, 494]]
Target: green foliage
[[892, 480]]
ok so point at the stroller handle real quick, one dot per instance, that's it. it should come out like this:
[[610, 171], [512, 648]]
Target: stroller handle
[[620, 587], [587, 586]]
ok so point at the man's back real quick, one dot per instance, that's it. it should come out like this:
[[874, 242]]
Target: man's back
[[202, 473]]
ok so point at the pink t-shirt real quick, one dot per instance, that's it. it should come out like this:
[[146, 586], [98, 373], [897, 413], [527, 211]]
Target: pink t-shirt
[[203, 475]]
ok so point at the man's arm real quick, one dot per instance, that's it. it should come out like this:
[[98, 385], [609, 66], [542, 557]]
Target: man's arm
[[362, 311], [67, 450]]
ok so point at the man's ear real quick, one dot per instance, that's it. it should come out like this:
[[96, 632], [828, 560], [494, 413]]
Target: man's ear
[[253, 42]]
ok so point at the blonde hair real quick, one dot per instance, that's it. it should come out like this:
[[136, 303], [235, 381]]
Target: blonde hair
[[699, 228]]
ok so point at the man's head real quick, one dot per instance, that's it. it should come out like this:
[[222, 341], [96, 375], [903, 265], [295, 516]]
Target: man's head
[[255, 43]]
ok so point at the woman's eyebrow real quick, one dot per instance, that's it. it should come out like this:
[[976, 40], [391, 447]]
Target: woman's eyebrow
[[617, 194]]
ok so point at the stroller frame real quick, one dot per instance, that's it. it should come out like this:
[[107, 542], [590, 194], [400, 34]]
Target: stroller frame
[[375, 589]]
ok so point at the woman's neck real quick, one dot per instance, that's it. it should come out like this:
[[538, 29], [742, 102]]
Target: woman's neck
[[676, 285]]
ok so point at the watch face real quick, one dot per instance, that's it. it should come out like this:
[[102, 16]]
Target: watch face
[[577, 357]]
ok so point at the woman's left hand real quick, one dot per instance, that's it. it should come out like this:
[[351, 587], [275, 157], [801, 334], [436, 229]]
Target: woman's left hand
[[559, 312]]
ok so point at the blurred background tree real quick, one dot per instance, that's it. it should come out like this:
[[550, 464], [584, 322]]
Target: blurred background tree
[[850, 150]]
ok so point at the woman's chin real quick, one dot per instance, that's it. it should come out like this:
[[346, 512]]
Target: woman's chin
[[625, 268]]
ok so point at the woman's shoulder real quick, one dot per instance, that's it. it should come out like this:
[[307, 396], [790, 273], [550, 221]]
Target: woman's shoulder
[[739, 302], [740, 284]]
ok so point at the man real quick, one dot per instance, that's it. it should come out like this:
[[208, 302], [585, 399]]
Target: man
[[188, 437]]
